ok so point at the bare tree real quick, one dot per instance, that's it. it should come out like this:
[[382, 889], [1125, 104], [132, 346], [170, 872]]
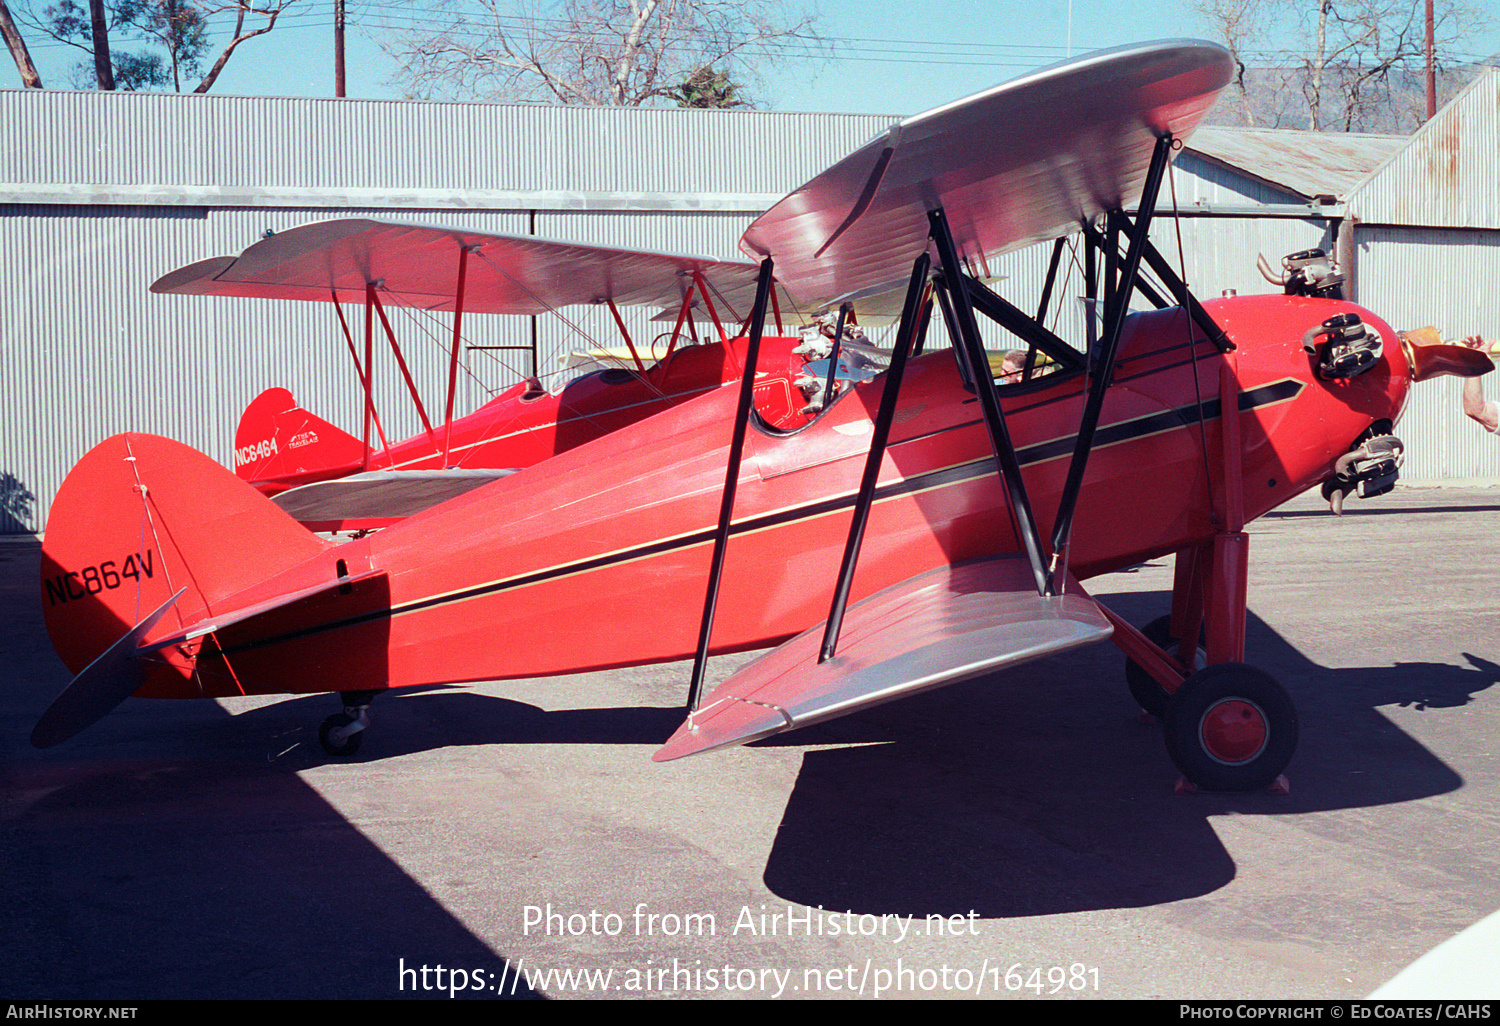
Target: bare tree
[[1239, 26], [178, 28], [1343, 65], [18, 52], [603, 52], [270, 10]]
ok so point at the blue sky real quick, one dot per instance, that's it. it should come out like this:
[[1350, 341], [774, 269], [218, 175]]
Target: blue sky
[[887, 58]]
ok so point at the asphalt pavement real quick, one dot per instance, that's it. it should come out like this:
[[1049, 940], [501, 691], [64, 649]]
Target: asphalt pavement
[[1016, 836]]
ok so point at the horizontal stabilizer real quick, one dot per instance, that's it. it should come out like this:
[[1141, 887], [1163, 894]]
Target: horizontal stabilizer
[[379, 498], [940, 627], [266, 608], [106, 682]]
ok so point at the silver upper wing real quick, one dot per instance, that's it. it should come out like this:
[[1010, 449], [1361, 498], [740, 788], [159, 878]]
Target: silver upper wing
[[417, 266], [1022, 162]]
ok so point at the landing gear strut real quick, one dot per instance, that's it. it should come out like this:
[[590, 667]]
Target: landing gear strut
[[1144, 688], [342, 733], [1227, 726]]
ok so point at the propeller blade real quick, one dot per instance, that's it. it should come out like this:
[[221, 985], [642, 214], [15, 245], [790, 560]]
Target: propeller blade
[[103, 684], [1459, 361]]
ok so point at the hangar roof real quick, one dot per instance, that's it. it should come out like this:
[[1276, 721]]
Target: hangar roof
[[1308, 165]]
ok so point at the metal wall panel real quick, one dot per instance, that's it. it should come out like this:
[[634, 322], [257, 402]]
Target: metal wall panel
[[86, 351], [1446, 278], [275, 143], [1202, 182], [1446, 176], [1303, 164], [1220, 252]]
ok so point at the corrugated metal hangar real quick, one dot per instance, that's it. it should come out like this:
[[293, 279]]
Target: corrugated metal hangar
[[102, 193]]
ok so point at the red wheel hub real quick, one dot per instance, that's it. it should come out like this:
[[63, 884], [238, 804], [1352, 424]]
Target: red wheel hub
[[1233, 731]]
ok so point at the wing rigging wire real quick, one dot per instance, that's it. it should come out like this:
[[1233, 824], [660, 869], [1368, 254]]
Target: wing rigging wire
[[147, 520], [1191, 344], [555, 311], [1073, 265], [426, 328], [423, 320]]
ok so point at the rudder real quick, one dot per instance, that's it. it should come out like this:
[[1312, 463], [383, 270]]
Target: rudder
[[140, 517], [279, 445]]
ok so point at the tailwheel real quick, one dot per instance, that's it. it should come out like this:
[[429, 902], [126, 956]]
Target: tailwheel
[[335, 738], [342, 733], [1230, 727], [1144, 688]]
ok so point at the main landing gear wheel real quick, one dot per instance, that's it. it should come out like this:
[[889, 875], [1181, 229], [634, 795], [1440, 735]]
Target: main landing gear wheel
[[1149, 694], [1230, 727]]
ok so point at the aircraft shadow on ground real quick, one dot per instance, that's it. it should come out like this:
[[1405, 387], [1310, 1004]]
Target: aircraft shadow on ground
[[175, 879], [204, 872], [1032, 792], [420, 720], [159, 855], [1036, 792]]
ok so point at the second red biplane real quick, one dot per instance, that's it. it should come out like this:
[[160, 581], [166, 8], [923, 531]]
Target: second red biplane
[[332, 481], [929, 525]]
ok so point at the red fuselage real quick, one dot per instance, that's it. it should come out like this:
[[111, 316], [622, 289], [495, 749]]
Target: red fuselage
[[598, 557]]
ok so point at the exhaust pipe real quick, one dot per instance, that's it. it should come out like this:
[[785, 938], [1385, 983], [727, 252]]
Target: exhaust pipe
[[1369, 470], [1265, 271]]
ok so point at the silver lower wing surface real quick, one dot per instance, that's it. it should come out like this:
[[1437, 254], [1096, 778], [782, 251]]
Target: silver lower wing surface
[[381, 494], [940, 627]]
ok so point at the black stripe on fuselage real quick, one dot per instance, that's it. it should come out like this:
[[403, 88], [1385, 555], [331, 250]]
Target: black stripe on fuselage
[[1113, 434]]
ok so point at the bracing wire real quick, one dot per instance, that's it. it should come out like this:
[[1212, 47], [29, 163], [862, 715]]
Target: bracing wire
[[1192, 345]]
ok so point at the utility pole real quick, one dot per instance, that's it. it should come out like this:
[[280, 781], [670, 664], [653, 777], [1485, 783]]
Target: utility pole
[[338, 47], [1431, 67]]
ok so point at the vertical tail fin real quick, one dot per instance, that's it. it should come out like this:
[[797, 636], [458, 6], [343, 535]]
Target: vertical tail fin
[[279, 445], [141, 518]]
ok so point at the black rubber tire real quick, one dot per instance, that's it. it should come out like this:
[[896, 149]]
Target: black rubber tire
[[351, 744], [1231, 727], [1149, 694]]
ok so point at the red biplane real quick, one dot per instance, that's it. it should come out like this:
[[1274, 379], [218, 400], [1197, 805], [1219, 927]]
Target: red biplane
[[929, 525], [331, 481]]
